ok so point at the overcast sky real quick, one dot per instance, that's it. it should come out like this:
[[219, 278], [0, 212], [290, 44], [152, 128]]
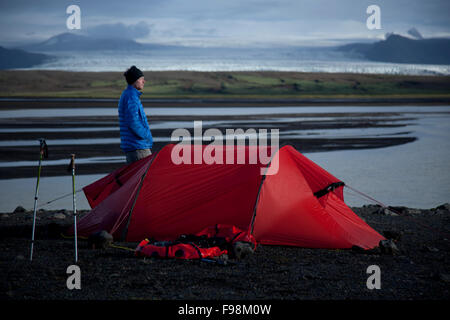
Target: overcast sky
[[223, 22]]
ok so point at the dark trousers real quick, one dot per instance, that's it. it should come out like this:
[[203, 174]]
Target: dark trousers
[[136, 155]]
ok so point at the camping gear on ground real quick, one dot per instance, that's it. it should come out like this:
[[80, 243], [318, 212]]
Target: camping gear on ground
[[100, 240], [211, 242], [176, 249], [72, 169], [43, 153], [301, 205]]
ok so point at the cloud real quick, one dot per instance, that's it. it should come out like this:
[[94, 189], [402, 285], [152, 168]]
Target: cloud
[[222, 22], [120, 30]]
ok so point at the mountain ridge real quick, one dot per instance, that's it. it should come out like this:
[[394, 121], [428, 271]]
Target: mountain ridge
[[17, 58], [74, 42], [399, 49]]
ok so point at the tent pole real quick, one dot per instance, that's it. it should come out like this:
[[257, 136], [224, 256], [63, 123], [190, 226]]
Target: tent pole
[[141, 182], [72, 166], [42, 153], [252, 222], [35, 204]]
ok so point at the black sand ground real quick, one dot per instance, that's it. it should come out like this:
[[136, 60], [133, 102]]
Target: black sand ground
[[419, 271]]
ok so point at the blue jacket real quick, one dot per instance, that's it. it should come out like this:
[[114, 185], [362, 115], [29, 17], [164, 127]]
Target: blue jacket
[[134, 129]]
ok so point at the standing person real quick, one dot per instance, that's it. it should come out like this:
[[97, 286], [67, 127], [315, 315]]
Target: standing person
[[136, 140]]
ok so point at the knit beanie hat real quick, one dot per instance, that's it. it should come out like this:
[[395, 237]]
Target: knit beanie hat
[[133, 74]]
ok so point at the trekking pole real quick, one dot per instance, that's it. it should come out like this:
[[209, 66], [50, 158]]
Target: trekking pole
[[72, 167], [43, 153]]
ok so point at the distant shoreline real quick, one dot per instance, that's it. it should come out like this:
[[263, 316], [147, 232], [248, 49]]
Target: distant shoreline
[[7, 103], [234, 87]]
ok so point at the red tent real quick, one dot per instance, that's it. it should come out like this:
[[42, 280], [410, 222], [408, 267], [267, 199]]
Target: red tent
[[301, 205]]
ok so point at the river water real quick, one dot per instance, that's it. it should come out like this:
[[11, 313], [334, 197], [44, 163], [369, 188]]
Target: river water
[[415, 174]]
